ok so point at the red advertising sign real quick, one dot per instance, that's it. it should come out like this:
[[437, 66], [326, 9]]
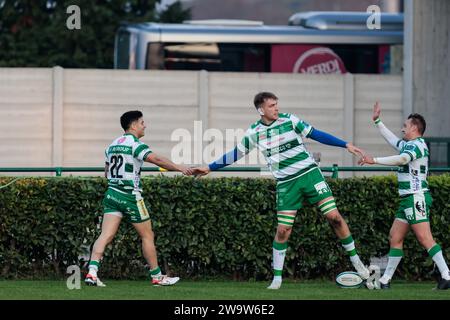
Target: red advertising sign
[[305, 59]]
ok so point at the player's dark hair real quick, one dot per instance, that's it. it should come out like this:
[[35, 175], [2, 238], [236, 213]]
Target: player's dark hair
[[128, 118], [418, 121], [261, 97]]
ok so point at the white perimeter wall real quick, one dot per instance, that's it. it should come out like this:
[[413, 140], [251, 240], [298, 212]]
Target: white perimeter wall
[[67, 117]]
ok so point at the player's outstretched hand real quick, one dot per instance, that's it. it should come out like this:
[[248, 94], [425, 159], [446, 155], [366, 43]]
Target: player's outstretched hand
[[186, 170], [355, 150], [376, 111], [366, 159], [200, 171]]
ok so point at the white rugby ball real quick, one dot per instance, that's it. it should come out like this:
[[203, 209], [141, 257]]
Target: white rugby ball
[[349, 279]]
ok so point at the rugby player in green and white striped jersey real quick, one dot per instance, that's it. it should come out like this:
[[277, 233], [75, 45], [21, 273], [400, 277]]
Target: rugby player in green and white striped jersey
[[415, 198], [279, 136], [123, 161]]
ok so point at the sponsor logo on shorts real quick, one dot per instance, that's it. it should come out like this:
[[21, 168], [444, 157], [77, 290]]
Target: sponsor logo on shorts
[[321, 187], [409, 213], [420, 208], [110, 197]]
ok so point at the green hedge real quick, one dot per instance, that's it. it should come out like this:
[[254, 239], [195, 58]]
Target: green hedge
[[219, 227]]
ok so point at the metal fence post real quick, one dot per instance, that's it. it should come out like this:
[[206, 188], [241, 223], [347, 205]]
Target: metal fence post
[[334, 170], [57, 116], [349, 115]]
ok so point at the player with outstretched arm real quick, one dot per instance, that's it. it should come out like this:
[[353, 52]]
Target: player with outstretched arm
[[415, 197], [124, 159], [279, 136]]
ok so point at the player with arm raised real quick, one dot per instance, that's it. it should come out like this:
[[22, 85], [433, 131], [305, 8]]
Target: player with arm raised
[[279, 136], [415, 197], [124, 159]]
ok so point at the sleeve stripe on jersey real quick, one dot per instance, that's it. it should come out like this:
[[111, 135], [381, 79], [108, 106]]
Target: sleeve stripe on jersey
[[146, 154], [398, 142], [409, 154], [139, 150], [299, 127], [309, 132]]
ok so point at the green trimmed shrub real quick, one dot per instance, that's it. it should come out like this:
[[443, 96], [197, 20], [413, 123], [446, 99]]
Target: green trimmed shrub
[[220, 227]]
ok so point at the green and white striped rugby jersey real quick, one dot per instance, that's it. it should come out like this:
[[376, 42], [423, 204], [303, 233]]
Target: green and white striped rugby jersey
[[412, 177], [281, 144], [125, 156]]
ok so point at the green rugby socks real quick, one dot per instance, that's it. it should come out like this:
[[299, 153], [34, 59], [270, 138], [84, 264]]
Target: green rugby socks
[[279, 253], [395, 256], [93, 267], [349, 246], [155, 273], [435, 252]]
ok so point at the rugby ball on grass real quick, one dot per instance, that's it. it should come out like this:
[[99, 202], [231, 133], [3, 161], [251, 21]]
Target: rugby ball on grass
[[349, 279]]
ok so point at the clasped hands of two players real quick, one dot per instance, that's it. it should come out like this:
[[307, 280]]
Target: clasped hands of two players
[[195, 171], [364, 157]]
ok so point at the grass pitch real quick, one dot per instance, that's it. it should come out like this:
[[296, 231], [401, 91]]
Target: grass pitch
[[216, 290]]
